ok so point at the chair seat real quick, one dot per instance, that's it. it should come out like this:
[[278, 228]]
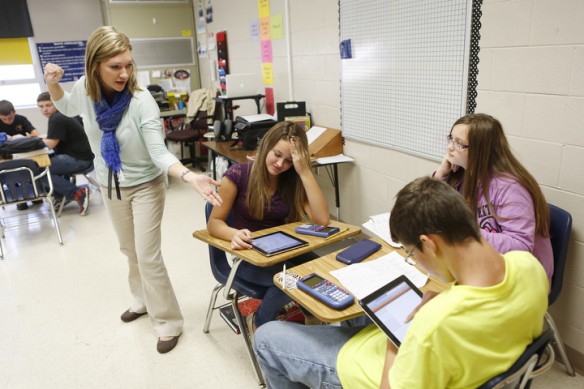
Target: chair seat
[[183, 135]]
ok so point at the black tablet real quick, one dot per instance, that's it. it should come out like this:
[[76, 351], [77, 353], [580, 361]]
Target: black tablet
[[276, 243], [390, 305]]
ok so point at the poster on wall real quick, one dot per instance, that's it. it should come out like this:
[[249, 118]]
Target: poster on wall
[[209, 11], [68, 55]]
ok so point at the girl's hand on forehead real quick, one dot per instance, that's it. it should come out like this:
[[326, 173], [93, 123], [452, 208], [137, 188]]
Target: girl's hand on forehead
[[299, 157]]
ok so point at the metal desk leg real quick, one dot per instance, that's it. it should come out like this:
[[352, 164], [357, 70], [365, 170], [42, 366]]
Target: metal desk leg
[[257, 101], [234, 297], [336, 185], [214, 156]]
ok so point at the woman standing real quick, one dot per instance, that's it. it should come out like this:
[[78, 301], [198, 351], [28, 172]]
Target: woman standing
[[511, 210], [122, 121], [276, 189]]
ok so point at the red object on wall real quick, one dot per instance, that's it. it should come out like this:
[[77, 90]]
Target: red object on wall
[[222, 58], [270, 101]]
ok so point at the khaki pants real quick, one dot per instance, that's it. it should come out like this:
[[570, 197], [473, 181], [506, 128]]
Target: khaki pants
[[137, 219]]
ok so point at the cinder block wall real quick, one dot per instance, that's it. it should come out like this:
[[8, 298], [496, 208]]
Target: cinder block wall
[[531, 77]]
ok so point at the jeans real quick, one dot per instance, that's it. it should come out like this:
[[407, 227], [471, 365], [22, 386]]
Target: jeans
[[274, 299], [293, 355], [62, 165]]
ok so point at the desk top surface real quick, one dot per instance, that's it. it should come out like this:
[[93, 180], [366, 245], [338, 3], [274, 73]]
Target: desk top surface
[[256, 96], [323, 266], [180, 112], [258, 259], [43, 160], [224, 148]]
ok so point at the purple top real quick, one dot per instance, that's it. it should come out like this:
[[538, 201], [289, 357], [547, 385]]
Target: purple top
[[274, 216], [512, 201]]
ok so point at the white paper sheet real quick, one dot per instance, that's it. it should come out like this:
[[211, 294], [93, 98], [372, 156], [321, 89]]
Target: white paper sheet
[[334, 159], [258, 118], [364, 278], [143, 77], [379, 225], [313, 133]]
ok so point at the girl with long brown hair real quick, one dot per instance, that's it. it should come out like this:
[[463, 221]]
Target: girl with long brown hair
[[276, 189], [510, 207]]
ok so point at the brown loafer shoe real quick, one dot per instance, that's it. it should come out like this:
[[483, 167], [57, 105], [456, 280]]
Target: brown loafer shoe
[[165, 346], [129, 316]]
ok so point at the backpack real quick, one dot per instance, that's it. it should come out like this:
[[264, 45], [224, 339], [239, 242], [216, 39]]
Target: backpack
[[20, 145]]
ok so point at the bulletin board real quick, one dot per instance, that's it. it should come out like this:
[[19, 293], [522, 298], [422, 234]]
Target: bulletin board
[[412, 71]]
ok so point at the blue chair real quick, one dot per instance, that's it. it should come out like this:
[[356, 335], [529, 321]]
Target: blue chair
[[21, 180], [560, 231], [234, 289], [533, 362]]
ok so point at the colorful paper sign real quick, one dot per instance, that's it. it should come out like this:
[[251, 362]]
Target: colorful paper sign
[[268, 73], [276, 27], [254, 30], [266, 51], [264, 8], [265, 29]]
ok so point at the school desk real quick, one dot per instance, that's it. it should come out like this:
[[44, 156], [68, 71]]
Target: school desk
[[323, 266]]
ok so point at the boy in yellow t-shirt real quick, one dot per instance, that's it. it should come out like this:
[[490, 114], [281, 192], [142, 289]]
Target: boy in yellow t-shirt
[[458, 339]]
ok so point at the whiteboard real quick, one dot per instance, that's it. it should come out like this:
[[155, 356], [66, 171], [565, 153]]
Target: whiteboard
[[408, 79], [156, 52]]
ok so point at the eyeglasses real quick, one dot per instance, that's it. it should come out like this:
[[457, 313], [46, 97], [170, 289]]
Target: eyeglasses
[[410, 259], [457, 144]]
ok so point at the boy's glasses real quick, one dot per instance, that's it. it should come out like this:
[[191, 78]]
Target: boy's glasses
[[457, 144], [410, 259]]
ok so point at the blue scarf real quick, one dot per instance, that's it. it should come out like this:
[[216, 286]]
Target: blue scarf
[[108, 118]]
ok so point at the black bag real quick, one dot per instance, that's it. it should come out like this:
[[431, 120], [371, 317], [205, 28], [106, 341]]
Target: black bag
[[21, 145], [250, 134]]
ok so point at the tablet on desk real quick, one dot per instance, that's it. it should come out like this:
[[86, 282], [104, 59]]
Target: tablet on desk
[[390, 305], [276, 243]]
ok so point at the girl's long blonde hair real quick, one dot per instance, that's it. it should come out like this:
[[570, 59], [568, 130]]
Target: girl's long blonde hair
[[289, 185], [104, 43]]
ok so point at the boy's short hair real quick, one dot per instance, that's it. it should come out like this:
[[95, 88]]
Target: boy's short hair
[[430, 206], [6, 107], [45, 96]]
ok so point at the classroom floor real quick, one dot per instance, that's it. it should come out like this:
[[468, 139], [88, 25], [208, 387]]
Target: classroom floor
[[60, 308]]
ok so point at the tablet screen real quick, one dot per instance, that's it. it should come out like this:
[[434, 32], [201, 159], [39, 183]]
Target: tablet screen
[[389, 307], [276, 243]]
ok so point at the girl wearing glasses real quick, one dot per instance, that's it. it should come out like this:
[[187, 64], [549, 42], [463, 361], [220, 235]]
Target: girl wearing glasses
[[512, 213]]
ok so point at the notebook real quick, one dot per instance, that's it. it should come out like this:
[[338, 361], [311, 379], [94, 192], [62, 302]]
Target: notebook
[[243, 84]]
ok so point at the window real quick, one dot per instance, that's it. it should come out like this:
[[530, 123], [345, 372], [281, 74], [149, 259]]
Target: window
[[20, 74]]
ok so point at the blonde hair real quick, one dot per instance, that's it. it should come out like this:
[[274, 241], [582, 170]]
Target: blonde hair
[[104, 43], [289, 185]]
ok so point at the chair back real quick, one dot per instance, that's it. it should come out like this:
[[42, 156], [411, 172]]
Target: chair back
[[18, 179], [220, 266], [519, 375], [560, 231]]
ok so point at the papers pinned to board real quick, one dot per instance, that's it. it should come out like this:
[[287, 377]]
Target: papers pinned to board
[[363, 278], [379, 225]]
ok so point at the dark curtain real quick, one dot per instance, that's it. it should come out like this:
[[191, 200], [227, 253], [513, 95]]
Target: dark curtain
[[14, 19]]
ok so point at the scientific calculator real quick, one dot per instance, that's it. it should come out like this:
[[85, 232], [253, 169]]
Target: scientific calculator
[[325, 291], [317, 230]]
